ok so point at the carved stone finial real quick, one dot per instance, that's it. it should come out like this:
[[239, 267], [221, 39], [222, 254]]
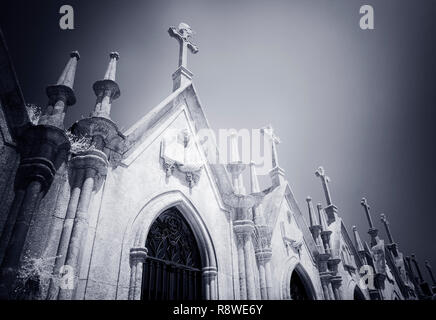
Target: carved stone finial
[[114, 55], [75, 54], [61, 95], [107, 89]]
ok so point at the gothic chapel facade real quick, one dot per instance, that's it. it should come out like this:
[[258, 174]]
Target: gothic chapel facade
[[96, 213]]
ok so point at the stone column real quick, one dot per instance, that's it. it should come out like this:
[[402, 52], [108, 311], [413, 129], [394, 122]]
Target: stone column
[[43, 149], [263, 261], [209, 275], [137, 260], [244, 230], [268, 279], [336, 279], [94, 164], [336, 285], [325, 283]]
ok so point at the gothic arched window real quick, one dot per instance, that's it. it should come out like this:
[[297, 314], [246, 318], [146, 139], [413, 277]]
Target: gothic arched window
[[173, 266], [298, 289]]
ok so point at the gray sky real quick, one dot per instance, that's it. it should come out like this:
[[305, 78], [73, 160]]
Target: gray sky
[[360, 103]]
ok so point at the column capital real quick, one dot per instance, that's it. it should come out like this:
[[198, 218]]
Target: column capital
[[90, 159], [263, 255], [42, 149], [138, 255], [243, 227], [209, 272]]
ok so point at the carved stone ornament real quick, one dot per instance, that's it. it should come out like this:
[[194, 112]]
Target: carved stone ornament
[[295, 242], [179, 152]]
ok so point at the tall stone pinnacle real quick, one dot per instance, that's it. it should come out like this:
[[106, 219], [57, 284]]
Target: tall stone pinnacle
[[321, 217], [325, 180], [312, 218], [373, 232], [388, 231], [277, 174], [68, 75], [60, 95], [107, 89], [357, 240]]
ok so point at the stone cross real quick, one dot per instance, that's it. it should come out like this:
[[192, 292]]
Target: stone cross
[[183, 35], [325, 180], [275, 140], [365, 205]]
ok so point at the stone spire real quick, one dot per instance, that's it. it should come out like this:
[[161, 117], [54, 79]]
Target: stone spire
[[331, 209], [358, 241], [392, 245], [277, 174], [430, 272], [388, 231], [373, 232], [366, 206], [312, 218], [315, 227], [183, 35], [321, 217], [418, 270], [410, 269], [61, 95], [107, 89], [235, 166], [325, 180]]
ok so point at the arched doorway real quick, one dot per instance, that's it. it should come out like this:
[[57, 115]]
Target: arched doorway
[[172, 270], [299, 289], [358, 294]]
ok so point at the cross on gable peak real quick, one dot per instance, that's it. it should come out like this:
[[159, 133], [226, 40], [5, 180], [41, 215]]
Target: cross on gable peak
[[269, 131], [183, 34]]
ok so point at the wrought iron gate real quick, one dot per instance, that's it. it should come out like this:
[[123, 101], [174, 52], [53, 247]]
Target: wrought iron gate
[[172, 270]]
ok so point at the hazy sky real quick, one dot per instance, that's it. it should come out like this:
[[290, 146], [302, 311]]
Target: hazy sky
[[360, 103]]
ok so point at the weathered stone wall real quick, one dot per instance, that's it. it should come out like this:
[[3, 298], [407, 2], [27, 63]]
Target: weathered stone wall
[[286, 259], [9, 159], [133, 195]]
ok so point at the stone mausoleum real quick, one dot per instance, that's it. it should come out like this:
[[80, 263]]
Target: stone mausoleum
[[90, 212]]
